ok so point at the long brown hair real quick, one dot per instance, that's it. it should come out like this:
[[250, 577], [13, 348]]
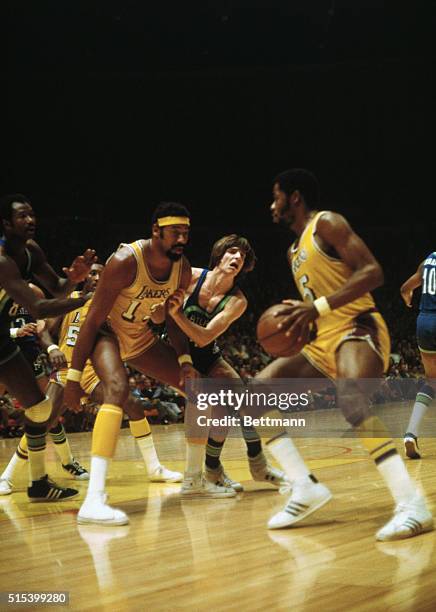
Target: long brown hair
[[227, 242]]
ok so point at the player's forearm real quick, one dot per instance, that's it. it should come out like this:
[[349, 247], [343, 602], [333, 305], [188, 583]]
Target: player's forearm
[[63, 287], [411, 284], [360, 282], [202, 336], [177, 337], [46, 339], [85, 344], [42, 309]]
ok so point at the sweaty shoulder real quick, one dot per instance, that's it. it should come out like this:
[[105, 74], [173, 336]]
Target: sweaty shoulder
[[36, 252], [329, 219], [122, 261], [123, 254], [332, 226], [332, 231], [196, 273]]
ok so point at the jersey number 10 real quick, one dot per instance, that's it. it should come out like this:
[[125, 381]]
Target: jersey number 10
[[429, 281]]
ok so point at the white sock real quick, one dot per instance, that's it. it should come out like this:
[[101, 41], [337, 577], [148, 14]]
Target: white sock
[[97, 476], [287, 456], [397, 478], [418, 412], [13, 467], [195, 454], [148, 452]]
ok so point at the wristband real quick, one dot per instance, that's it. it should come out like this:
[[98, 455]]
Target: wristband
[[52, 347], [322, 306], [13, 332], [185, 358], [74, 375]]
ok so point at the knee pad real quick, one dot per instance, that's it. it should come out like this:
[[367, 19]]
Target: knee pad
[[39, 413]]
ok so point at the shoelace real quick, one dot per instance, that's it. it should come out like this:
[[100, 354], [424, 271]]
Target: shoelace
[[54, 485]]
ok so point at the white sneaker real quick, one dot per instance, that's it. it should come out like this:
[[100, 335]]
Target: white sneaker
[[5, 486], [198, 486], [162, 474], [409, 520], [95, 510], [219, 477], [306, 498]]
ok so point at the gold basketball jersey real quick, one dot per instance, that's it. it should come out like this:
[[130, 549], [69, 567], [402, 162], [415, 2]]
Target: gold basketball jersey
[[132, 308], [316, 274], [70, 328]]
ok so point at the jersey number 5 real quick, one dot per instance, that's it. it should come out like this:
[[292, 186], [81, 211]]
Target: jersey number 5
[[73, 332], [306, 292]]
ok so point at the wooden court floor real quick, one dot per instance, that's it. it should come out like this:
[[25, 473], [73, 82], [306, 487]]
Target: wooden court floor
[[217, 554]]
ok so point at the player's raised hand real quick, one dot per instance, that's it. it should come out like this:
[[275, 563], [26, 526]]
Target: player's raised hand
[[79, 269], [175, 300], [158, 313]]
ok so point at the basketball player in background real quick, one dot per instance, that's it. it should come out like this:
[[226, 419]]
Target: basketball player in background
[[21, 258], [424, 277], [28, 334], [136, 277], [213, 302], [25, 331], [334, 271], [68, 328]]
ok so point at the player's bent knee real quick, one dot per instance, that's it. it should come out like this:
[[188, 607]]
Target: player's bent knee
[[39, 413], [116, 391]]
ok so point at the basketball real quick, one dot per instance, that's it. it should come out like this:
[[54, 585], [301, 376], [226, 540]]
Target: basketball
[[273, 340]]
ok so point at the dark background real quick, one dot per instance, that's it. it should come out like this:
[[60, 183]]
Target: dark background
[[113, 106]]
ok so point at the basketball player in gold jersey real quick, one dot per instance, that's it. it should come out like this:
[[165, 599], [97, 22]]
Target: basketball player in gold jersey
[[334, 271], [136, 277]]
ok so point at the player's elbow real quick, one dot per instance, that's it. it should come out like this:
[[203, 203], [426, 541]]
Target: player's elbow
[[204, 339], [377, 276]]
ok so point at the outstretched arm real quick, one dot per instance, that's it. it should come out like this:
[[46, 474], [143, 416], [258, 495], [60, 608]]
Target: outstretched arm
[[75, 273], [412, 283], [40, 308]]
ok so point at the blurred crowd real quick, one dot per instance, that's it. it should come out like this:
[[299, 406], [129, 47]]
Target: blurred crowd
[[239, 347]]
